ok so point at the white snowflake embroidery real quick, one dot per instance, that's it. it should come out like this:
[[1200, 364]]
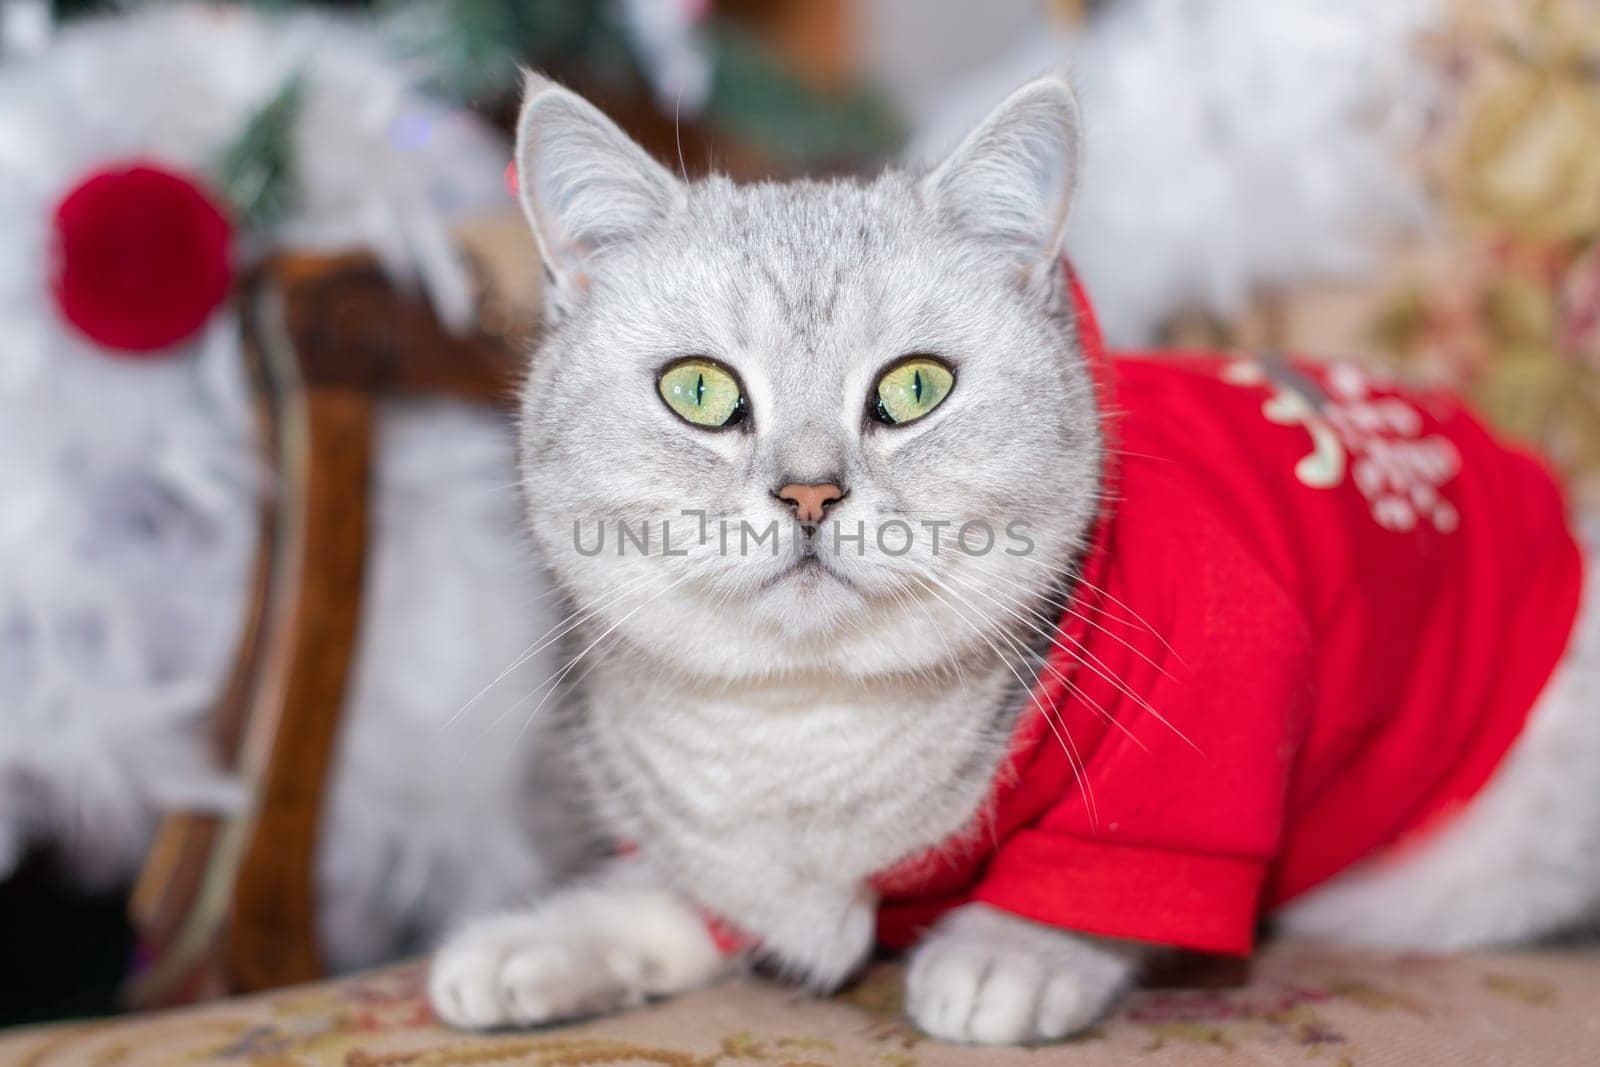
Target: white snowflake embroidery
[[1378, 438]]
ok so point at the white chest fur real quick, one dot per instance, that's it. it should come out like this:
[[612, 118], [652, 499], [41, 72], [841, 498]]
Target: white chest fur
[[790, 787]]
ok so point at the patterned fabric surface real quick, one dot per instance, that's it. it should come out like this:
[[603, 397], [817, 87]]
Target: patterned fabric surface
[[1303, 1003]]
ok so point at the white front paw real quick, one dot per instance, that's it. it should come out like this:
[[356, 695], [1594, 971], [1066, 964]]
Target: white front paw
[[584, 952], [484, 980], [984, 977], [822, 941]]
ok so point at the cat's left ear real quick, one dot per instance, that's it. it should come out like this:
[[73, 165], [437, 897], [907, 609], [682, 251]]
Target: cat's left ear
[[1011, 182], [583, 183]]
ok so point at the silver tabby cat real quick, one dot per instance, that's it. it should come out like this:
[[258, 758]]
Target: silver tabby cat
[[773, 721]]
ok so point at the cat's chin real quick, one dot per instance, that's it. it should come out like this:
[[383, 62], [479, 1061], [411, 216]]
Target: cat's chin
[[808, 598]]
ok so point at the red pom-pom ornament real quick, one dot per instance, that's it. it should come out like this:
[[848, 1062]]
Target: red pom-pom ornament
[[143, 257]]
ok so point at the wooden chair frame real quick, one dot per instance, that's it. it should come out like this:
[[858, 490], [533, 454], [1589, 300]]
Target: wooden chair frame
[[225, 904]]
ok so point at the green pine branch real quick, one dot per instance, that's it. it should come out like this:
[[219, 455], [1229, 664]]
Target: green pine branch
[[257, 171]]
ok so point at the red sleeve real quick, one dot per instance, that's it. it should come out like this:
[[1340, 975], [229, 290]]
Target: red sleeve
[[1176, 846]]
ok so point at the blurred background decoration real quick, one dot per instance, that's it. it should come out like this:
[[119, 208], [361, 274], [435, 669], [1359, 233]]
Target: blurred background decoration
[[1503, 299], [1418, 180], [764, 79]]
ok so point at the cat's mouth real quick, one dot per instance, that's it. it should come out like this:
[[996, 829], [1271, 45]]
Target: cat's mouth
[[808, 571]]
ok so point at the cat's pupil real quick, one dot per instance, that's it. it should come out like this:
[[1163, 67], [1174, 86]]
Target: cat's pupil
[[916, 385], [700, 390]]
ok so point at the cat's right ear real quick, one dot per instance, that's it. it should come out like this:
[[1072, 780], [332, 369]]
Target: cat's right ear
[[582, 182], [1010, 184]]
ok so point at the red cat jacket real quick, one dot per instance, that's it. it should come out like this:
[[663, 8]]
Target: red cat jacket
[[1312, 623]]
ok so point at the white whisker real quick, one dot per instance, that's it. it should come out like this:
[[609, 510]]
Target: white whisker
[[549, 637], [1065, 739], [1072, 686], [554, 682]]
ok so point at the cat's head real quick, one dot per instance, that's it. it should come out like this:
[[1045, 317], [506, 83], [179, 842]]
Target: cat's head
[[897, 354]]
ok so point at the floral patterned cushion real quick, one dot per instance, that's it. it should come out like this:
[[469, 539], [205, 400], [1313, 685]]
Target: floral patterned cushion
[[1301, 1003]]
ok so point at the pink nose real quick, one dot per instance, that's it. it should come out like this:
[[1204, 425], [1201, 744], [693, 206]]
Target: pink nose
[[810, 502]]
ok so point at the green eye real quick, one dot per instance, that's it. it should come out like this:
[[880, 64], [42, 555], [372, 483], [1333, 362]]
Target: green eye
[[702, 392], [912, 388]]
